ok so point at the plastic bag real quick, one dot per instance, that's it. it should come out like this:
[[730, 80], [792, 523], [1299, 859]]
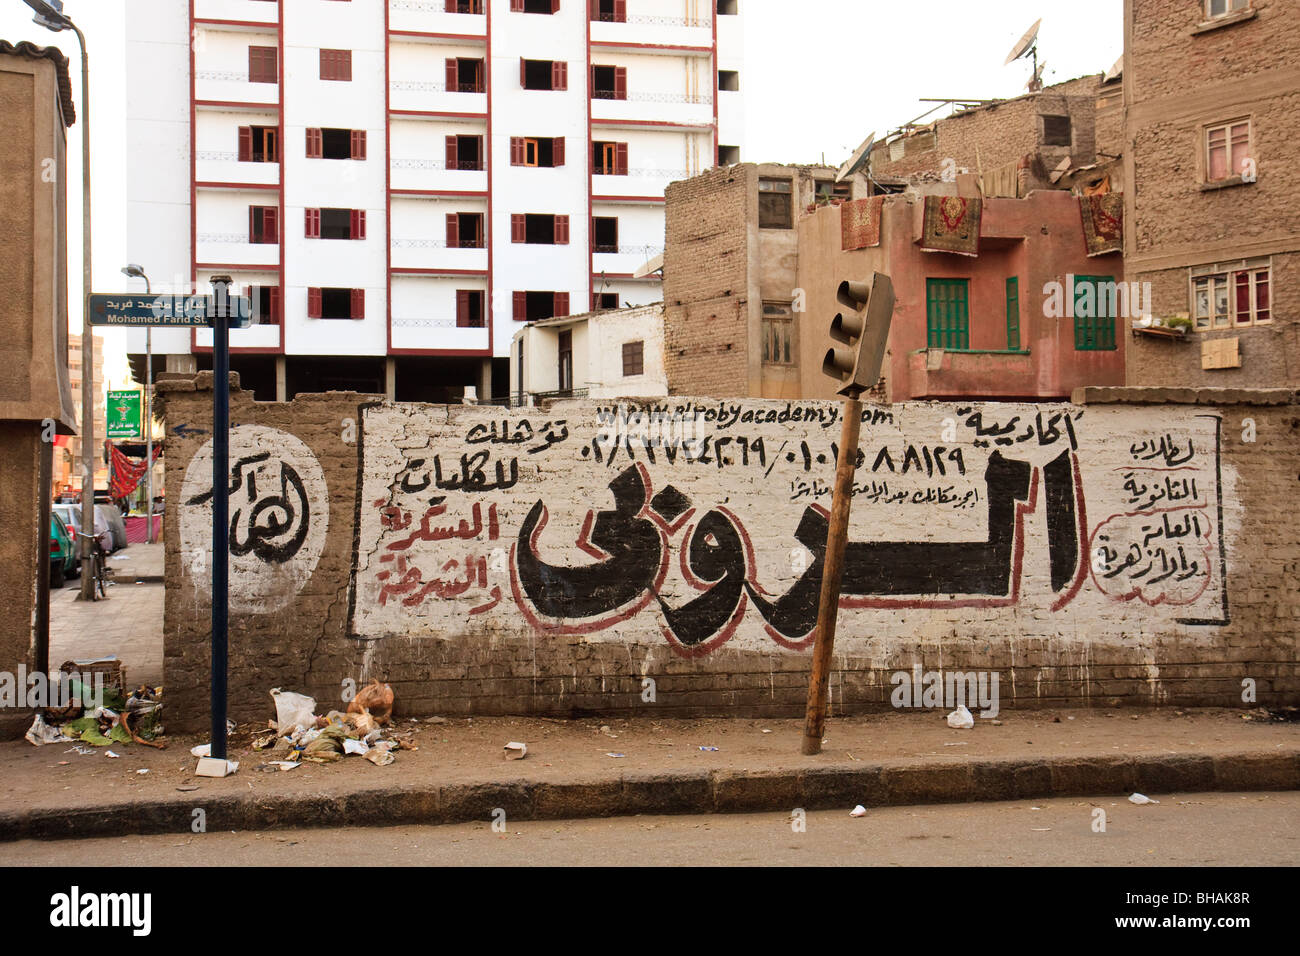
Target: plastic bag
[[961, 719], [42, 733], [375, 698], [293, 711]]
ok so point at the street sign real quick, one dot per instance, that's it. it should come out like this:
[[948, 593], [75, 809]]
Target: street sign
[[128, 310], [123, 415]]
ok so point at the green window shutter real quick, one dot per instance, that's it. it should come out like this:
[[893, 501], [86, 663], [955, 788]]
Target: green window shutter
[[1013, 314], [947, 310], [1094, 313]]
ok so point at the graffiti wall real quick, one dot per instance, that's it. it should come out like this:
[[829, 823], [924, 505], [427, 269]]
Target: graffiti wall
[[702, 525]]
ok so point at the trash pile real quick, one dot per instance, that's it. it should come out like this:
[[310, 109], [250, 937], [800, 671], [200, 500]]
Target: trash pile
[[102, 718], [297, 735]]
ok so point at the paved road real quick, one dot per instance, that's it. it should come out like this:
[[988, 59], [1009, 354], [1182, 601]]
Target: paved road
[[1231, 829]]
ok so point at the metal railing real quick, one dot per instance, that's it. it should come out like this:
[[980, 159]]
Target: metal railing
[[437, 244], [647, 251], [235, 75]]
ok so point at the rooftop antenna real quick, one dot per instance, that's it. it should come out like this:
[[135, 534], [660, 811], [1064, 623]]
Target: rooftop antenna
[[861, 156], [1028, 46]]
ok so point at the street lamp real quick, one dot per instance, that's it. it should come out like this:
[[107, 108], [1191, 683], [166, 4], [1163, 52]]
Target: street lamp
[[49, 14], [137, 272]]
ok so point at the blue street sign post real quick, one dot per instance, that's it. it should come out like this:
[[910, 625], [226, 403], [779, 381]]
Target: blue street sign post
[[128, 311]]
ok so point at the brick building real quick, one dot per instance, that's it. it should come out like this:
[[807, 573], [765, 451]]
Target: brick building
[[730, 267], [1212, 126], [1013, 145]]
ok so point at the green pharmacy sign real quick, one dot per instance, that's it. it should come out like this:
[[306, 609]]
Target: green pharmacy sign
[[123, 415]]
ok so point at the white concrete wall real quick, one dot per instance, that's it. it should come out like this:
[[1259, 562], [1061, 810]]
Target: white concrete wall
[[607, 333]]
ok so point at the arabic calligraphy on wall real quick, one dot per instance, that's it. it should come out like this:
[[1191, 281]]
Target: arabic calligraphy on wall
[[477, 519], [279, 513]]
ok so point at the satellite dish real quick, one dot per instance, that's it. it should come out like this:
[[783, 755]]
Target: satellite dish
[[857, 160], [1026, 44]]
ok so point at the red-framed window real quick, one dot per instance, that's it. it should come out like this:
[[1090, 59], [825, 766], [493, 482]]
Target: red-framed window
[[259, 144], [325, 223], [543, 74], [608, 82], [608, 159], [535, 229], [471, 308], [535, 306], [267, 304], [263, 224], [464, 230], [263, 64], [336, 65], [546, 151], [336, 303], [464, 152], [328, 143]]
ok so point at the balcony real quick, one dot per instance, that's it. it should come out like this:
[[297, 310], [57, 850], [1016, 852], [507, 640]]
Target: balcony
[[223, 248], [233, 86], [642, 109], [432, 96], [432, 175], [223, 166], [642, 30], [639, 182], [431, 16], [246, 11], [622, 259], [431, 255], [945, 374]]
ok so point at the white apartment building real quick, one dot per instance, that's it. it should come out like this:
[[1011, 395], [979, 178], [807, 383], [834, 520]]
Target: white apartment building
[[401, 184]]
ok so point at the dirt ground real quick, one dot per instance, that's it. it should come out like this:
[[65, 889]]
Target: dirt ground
[[471, 751]]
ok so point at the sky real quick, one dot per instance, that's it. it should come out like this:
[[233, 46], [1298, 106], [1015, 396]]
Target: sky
[[819, 77]]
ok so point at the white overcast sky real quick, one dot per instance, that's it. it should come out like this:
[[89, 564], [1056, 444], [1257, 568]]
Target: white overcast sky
[[819, 76]]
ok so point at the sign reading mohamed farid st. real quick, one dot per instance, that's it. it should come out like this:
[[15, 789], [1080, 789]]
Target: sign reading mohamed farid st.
[[168, 310]]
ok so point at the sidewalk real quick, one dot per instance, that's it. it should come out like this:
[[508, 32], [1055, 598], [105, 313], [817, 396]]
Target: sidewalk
[[459, 773], [127, 623]]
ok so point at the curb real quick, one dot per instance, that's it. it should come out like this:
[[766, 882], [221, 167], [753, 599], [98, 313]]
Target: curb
[[714, 791]]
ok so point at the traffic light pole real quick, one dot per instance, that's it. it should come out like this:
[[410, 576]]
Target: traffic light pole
[[832, 576]]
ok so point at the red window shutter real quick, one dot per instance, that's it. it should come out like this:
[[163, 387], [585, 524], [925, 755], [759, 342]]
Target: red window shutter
[[561, 230], [520, 306], [593, 9], [254, 220], [315, 143], [555, 6], [358, 144], [453, 231], [345, 65], [620, 11], [357, 224], [561, 305], [270, 224], [523, 72], [311, 225], [462, 308], [358, 303], [557, 151], [482, 154], [451, 152], [620, 159], [516, 6], [313, 303], [245, 144], [453, 74], [326, 65], [559, 75], [518, 227], [450, 6], [275, 308], [620, 82], [516, 150]]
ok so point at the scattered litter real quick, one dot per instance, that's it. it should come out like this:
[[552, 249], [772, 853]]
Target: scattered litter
[[709, 748], [215, 767], [284, 764], [998, 723], [64, 763], [41, 733], [109, 753], [145, 770], [202, 750], [375, 698], [766, 731], [187, 788], [230, 727], [961, 719], [351, 746], [615, 755], [516, 750], [435, 720], [380, 758], [858, 811], [1141, 799], [84, 751], [604, 729], [293, 711], [1040, 829], [959, 743]]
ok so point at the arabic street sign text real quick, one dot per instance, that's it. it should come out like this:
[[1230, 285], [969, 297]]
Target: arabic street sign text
[[123, 415], [166, 310]]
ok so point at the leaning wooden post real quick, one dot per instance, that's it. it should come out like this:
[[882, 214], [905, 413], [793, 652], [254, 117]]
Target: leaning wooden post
[[862, 329]]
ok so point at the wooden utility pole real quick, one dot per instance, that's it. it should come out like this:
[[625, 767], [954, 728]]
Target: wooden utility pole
[[832, 576]]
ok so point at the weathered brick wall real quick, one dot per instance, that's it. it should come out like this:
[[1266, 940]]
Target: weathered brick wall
[[1001, 133], [511, 562], [706, 280]]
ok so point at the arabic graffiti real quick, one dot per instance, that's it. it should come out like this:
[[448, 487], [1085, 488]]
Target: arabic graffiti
[[483, 518], [278, 517]]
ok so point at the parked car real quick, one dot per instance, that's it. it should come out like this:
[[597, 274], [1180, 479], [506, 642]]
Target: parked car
[[71, 515], [63, 552]]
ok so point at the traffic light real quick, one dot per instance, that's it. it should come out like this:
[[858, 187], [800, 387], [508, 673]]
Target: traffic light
[[862, 329]]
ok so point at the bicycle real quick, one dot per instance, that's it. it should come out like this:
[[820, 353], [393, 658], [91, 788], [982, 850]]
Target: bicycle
[[99, 581]]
